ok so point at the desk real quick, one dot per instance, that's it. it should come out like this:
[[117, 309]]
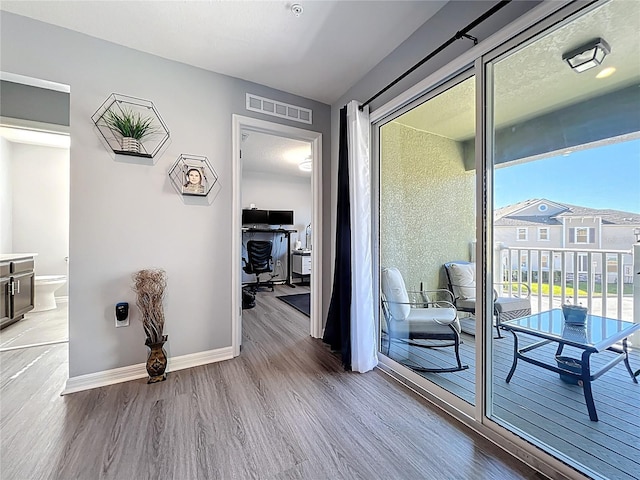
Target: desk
[[599, 334], [287, 234]]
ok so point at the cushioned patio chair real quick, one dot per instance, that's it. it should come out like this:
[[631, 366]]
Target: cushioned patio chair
[[417, 317], [462, 284]]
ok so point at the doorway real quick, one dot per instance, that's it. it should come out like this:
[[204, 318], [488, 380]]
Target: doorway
[[34, 193], [248, 126]]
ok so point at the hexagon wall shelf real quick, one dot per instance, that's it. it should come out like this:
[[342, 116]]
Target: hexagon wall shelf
[[131, 126], [193, 175]]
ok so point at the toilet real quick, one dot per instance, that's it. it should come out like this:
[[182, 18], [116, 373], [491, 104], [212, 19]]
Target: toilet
[[46, 285]]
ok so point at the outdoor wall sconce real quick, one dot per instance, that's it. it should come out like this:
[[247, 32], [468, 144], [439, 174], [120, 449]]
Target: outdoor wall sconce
[[306, 165], [636, 232], [193, 175], [131, 126], [588, 55]]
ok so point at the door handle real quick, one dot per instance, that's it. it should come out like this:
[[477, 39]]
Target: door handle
[[18, 289]]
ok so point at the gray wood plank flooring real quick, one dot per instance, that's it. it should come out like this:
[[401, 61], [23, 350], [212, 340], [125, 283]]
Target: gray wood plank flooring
[[284, 410]]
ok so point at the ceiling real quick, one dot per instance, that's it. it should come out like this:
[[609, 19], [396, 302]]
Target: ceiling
[[535, 80], [264, 153], [319, 54]]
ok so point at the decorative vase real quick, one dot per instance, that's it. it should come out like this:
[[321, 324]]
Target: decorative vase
[[130, 144], [156, 361]]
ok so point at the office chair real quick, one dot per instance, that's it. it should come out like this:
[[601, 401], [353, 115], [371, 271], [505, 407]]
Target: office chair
[[259, 261]]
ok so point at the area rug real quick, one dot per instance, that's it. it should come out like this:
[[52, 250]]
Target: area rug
[[300, 301]]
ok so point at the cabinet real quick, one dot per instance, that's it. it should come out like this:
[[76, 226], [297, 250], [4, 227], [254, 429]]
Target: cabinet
[[301, 264], [17, 281]]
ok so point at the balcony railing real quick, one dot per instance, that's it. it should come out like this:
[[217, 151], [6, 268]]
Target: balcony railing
[[601, 280]]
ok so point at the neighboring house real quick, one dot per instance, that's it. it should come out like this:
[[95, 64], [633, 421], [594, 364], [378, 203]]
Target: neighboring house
[[539, 230]]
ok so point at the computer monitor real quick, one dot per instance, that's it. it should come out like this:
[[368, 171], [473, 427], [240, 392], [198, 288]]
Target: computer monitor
[[255, 217], [280, 217]]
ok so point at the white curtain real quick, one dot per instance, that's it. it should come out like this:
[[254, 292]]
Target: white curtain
[[364, 356]]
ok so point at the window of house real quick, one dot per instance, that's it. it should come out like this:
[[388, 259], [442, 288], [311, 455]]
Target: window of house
[[583, 262], [544, 261], [582, 235], [543, 233], [612, 264], [522, 234]]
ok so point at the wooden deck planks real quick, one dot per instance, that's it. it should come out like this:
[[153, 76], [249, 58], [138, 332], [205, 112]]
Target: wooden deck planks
[[536, 401]]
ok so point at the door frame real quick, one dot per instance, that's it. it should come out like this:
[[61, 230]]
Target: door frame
[[240, 123]]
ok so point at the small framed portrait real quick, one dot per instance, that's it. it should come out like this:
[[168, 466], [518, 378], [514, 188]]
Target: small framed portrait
[[195, 181]]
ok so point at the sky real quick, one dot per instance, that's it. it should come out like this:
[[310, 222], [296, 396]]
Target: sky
[[602, 177]]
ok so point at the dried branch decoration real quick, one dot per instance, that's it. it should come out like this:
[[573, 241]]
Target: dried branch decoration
[[149, 286]]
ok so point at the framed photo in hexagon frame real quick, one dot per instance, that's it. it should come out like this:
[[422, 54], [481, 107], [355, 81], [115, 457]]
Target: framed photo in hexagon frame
[[193, 175]]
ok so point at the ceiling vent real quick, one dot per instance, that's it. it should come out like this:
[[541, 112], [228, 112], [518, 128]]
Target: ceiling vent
[[278, 109]]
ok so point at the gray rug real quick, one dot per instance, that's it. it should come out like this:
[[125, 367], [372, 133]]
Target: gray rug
[[300, 301]]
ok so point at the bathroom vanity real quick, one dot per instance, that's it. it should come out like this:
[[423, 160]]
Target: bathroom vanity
[[17, 287]]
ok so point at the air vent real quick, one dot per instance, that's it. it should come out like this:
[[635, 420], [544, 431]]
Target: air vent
[[278, 109]]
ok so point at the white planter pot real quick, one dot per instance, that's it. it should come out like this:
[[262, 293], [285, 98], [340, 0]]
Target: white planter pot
[[130, 144]]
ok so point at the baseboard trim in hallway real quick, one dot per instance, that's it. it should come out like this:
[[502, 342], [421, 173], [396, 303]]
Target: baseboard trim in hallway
[[134, 372]]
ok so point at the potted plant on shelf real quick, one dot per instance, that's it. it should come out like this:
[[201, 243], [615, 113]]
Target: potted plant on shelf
[[149, 286], [132, 126]]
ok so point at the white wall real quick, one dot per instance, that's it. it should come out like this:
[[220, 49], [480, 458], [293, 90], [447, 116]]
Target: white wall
[[124, 214], [277, 192], [6, 192], [41, 206]]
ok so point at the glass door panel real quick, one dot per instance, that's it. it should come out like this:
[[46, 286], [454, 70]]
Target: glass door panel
[[566, 170], [427, 219]]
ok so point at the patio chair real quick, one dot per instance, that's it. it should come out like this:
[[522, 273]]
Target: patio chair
[[417, 319], [461, 277]]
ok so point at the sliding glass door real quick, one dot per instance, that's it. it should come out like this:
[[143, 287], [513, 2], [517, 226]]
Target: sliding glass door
[[565, 169], [426, 220]]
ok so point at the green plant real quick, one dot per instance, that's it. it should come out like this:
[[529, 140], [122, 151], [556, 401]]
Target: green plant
[[129, 124]]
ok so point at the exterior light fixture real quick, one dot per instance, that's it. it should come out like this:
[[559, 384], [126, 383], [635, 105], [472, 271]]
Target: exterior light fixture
[[587, 56], [636, 232], [306, 165]]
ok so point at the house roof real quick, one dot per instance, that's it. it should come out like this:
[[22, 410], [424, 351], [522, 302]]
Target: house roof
[[508, 216]]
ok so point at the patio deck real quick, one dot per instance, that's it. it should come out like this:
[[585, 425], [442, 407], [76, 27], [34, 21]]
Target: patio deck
[[536, 401]]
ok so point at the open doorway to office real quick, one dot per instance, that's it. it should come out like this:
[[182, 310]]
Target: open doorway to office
[[290, 238]]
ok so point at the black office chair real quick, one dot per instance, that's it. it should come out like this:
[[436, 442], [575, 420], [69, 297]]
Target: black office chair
[[260, 261]]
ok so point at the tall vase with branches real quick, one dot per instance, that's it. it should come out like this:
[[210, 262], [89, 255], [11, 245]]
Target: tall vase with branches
[[150, 285]]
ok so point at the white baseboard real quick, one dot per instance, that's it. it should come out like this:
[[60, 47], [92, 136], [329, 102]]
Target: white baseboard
[[133, 372]]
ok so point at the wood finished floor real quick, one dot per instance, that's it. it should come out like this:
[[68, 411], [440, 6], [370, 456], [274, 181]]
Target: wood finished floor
[[284, 409], [37, 327]]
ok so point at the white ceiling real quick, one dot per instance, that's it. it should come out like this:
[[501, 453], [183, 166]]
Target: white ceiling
[[264, 153], [318, 55]]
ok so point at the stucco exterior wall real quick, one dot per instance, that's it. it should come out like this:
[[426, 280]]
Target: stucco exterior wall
[[427, 204]]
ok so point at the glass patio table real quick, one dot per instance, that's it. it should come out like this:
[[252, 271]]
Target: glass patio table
[[598, 334]]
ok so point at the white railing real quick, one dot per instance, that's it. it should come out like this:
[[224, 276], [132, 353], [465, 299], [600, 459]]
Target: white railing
[[552, 274]]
